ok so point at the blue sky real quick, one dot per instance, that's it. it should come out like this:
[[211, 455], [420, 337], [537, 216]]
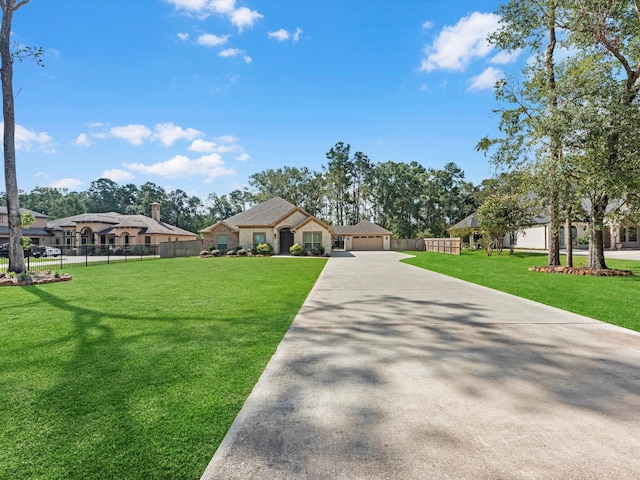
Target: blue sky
[[200, 94]]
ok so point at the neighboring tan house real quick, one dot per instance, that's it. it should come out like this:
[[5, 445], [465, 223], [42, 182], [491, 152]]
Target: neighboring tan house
[[115, 229], [37, 231], [282, 224]]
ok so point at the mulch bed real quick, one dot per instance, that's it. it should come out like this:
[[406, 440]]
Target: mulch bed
[[32, 278], [602, 272]]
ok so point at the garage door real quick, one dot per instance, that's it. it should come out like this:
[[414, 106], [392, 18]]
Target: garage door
[[368, 242]]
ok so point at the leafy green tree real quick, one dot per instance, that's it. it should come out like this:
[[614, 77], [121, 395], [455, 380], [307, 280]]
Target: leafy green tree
[[338, 177], [533, 105]]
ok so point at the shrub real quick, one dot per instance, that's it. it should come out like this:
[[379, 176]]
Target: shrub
[[231, 253], [264, 249], [315, 252], [215, 252], [205, 253], [296, 249], [242, 252], [139, 250], [321, 249]]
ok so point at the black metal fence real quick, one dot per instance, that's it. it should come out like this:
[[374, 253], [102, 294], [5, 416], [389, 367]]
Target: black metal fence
[[84, 255]]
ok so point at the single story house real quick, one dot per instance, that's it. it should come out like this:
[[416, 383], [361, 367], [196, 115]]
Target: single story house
[[99, 229], [282, 224], [536, 236], [115, 229]]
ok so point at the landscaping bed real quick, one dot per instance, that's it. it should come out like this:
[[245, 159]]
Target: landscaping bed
[[32, 278], [598, 272]]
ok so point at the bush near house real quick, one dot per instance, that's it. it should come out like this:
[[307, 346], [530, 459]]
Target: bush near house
[[264, 249], [296, 249]]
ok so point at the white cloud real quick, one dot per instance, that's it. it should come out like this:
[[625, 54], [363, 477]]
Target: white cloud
[[458, 45], [235, 52], [283, 35], [133, 133], [226, 139], [117, 175], [504, 57], [42, 174], [223, 6], [82, 140], [486, 80], [244, 17], [243, 157], [28, 140], [168, 133], [202, 146], [427, 25], [280, 35], [211, 40], [183, 36], [68, 183], [209, 167]]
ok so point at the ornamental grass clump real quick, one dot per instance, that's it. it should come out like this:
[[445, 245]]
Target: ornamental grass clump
[[296, 249], [264, 249]]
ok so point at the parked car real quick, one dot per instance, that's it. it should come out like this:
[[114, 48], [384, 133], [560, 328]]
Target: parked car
[[45, 251]]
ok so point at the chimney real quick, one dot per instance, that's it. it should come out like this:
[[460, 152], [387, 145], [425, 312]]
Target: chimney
[[155, 211]]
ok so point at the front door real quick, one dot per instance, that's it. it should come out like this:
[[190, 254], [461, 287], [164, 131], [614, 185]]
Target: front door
[[286, 240]]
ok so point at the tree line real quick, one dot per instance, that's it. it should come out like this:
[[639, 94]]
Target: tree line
[[406, 198]]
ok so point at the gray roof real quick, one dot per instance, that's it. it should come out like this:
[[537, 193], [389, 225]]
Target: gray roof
[[114, 220], [4, 211], [29, 232], [365, 227], [470, 222], [265, 214]]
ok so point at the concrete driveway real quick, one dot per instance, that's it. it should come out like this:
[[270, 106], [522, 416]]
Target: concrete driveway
[[394, 372]]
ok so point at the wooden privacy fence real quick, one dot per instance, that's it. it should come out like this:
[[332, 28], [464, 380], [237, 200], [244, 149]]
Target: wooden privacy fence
[[191, 248], [407, 244], [443, 245]]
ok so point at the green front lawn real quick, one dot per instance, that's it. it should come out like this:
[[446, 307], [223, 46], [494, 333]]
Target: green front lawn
[[611, 299], [137, 370]]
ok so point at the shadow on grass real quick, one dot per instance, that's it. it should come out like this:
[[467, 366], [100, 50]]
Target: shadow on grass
[[127, 401]]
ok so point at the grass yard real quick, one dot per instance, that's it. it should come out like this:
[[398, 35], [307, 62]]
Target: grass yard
[[614, 300], [137, 370]]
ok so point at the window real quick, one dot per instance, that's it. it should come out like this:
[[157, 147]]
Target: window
[[147, 240], [0, 218], [312, 240], [623, 234], [633, 234], [125, 238], [259, 237], [223, 242]]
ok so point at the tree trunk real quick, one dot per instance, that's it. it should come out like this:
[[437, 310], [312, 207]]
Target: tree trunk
[[16, 253], [553, 258], [596, 243], [555, 153], [568, 241]]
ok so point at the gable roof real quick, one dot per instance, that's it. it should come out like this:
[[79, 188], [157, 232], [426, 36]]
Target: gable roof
[[364, 227], [470, 222], [265, 214], [112, 220]]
